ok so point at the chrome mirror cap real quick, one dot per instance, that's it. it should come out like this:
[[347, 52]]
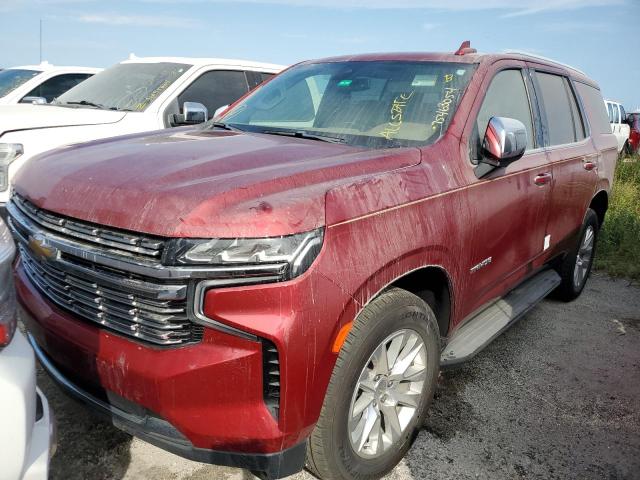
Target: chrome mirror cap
[[194, 112], [505, 139]]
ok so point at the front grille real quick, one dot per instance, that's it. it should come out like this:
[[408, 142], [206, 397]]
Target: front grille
[[154, 313], [271, 377], [116, 240], [149, 309]]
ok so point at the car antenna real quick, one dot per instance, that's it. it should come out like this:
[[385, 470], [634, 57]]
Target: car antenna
[[465, 48]]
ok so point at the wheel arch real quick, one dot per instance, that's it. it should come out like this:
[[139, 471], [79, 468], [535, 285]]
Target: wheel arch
[[600, 205]]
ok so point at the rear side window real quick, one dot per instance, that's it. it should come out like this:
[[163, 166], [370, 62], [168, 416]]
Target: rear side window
[[505, 97], [623, 114], [56, 86], [557, 108], [215, 89], [595, 108], [578, 121]]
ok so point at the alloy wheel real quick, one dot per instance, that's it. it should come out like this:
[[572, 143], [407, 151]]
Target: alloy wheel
[[388, 393], [584, 257]]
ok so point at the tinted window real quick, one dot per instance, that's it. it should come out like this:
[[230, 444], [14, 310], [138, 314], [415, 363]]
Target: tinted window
[[554, 97], [215, 89], [623, 114], [595, 108], [575, 113], [506, 97], [12, 79], [256, 78], [616, 113], [610, 112], [56, 86]]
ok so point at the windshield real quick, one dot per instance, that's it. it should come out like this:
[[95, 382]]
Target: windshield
[[126, 86], [13, 78], [375, 104]]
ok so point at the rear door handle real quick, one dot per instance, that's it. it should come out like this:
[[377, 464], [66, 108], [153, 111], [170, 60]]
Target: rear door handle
[[543, 179]]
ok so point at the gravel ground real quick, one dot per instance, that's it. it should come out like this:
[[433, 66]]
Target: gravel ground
[[557, 396]]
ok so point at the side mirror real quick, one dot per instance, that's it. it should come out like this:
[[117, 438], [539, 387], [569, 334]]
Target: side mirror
[[504, 141], [220, 111], [34, 100], [192, 114]]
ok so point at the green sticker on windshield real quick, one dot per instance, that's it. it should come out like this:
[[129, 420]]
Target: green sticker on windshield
[[345, 83]]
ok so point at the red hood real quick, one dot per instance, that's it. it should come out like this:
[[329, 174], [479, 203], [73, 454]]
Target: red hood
[[200, 183]]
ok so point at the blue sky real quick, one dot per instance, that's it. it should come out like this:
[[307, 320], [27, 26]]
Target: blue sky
[[601, 37]]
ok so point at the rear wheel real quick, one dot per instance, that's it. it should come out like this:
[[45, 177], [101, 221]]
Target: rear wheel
[[576, 266], [382, 384]]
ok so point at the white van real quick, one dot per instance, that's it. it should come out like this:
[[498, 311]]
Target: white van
[[137, 95], [40, 83], [620, 129]]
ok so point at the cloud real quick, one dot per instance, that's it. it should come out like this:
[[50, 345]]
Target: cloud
[[168, 21], [511, 8], [573, 27]]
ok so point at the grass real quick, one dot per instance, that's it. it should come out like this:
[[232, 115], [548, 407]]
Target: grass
[[619, 242]]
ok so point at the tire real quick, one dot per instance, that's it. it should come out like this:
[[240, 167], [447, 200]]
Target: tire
[[626, 150], [576, 267], [335, 450]]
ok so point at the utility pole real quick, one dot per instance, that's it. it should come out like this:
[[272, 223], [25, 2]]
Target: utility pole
[[40, 40]]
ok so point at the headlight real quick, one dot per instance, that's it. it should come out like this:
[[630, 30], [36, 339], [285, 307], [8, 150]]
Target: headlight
[[8, 153], [279, 258]]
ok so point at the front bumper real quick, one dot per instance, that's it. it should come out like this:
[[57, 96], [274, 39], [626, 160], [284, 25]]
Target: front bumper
[[160, 433]]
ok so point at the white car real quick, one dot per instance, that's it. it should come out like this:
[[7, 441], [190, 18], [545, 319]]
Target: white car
[[40, 83], [27, 434], [137, 95], [619, 128]]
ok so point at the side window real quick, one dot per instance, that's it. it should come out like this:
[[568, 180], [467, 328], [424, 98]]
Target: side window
[[623, 114], [56, 86], [610, 112], [505, 97], [575, 113], [555, 99], [215, 89], [616, 113], [256, 78], [595, 108]]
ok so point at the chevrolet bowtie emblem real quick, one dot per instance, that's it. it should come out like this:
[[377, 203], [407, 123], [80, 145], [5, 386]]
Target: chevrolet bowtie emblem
[[41, 248]]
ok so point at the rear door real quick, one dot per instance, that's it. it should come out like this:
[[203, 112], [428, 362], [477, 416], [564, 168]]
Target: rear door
[[572, 155]]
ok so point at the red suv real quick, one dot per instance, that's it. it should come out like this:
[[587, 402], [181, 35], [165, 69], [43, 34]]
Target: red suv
[[633, 145], [281, 287]]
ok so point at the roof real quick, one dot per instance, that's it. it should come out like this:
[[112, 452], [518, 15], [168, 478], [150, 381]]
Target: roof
[[47, 67], [458, 58], [207, 61]]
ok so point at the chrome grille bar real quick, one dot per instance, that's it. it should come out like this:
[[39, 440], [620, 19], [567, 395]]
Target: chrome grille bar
[[119, 240], [159, 322]]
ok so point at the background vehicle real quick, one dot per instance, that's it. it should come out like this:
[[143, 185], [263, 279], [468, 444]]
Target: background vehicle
[[40, 83], [633, 120], [137, 95], [619, 127], [275, 287], [26, 424]]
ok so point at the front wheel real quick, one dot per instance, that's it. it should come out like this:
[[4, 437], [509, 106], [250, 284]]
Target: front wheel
[[382, 384], [576, 266]]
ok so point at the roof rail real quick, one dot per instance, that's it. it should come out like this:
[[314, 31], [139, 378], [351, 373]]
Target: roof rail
[[546, 59]]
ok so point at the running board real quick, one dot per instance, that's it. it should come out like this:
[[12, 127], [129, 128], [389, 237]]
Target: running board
[[479, 331]]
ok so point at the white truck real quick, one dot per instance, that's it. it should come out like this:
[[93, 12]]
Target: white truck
[[619, 127], [40, 83], [27, 433], [137, 95]]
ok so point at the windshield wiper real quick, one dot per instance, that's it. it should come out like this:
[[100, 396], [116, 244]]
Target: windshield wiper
[[224, 126], [86, 103], [304, 134]]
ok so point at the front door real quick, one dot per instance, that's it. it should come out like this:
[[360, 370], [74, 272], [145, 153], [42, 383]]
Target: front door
[[509, 204]]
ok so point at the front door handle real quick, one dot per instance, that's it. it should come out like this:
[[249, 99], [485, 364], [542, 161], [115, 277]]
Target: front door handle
[[543, 179], [589, 166]]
